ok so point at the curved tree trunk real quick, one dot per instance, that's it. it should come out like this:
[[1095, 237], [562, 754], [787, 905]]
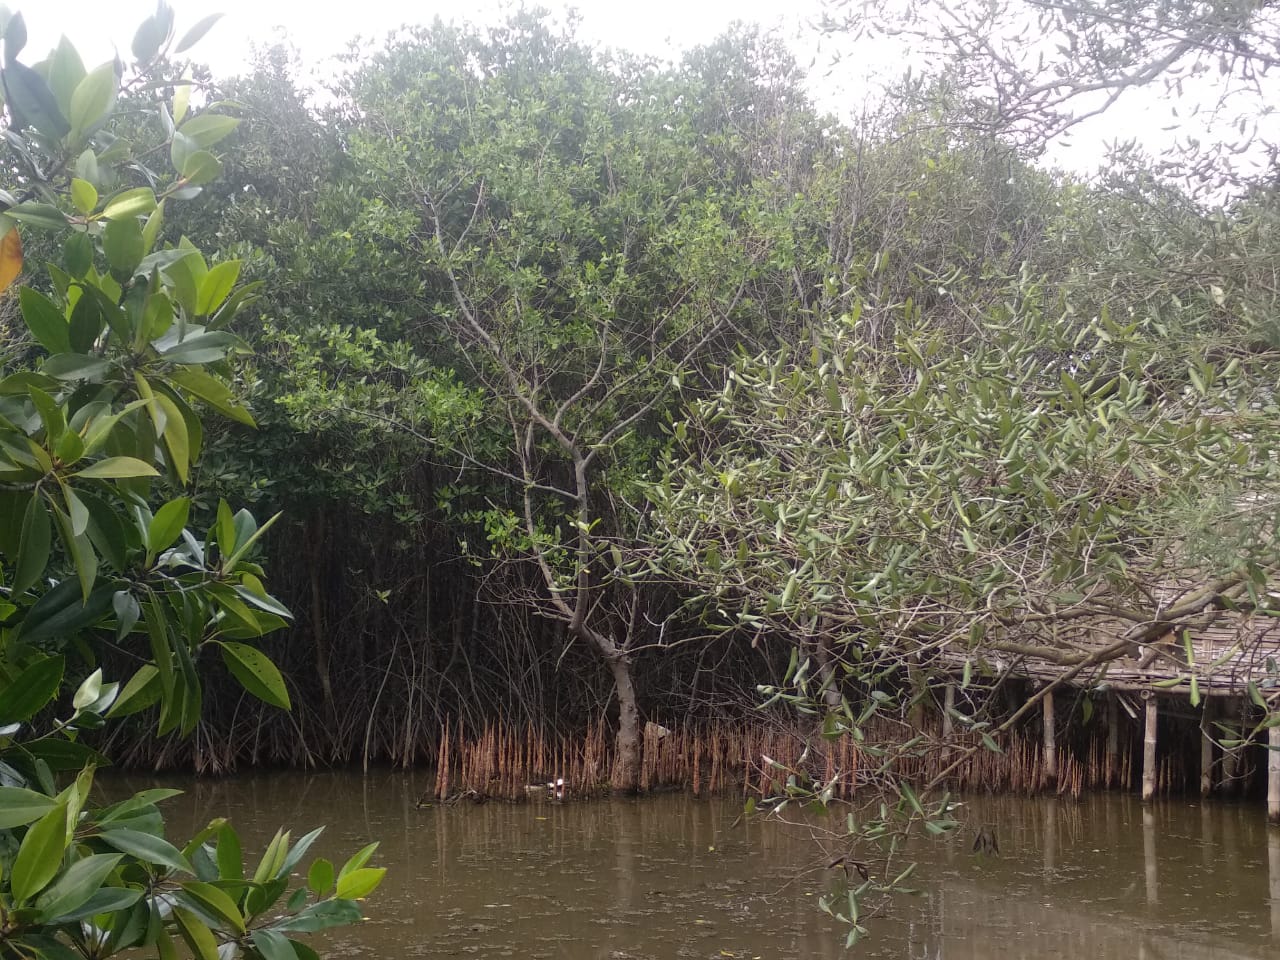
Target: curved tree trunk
[[625, 777]]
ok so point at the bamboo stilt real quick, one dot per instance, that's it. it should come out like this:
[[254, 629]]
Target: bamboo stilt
[[1113, 741], [1231, 762], [1050, 772], [1149, 771], [1206, 750], [1273, 775]]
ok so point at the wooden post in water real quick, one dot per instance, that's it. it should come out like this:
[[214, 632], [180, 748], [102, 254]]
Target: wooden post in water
[[1206, 749], [1230, 760], [1273, 775], [1149, 748], [1050, 743], [948, 705], [1113, 741]]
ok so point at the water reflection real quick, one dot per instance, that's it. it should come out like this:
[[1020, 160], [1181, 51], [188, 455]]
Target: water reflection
[[669, 878]]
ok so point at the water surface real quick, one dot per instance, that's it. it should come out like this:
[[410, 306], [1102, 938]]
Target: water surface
[[669, 877]]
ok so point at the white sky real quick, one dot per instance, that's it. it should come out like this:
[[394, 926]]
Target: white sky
[[320, 29]]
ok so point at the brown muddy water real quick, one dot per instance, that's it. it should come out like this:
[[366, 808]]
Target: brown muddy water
[[670, 877]]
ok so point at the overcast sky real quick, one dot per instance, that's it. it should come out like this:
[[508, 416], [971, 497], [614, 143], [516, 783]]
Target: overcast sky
[[320, 29]]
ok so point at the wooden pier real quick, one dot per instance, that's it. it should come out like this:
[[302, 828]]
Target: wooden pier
[[1222, 666]]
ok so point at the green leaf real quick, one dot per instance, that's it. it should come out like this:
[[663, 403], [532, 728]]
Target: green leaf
[[19, 806], [151, 229], [131, 203], [103, 900], [43, 215], [142, 691], [66, 70], [230, 857], [321, 916], [34, 687], [87, 319], [200, 167], [59, 755], [75, 366], [151, 35], [15, 37], [88, 691], [33, 555], [212, 391], [77, 255], [40, 855], [256, 673], [31, 102], [146, 847], [273, 945], [46, 322], [208, 128], [93, 99], [123, 244], [360, 883], [216, 902], [319, 878], [84, 195], [167, 525], [117, 468], [203, 348], [196, 33], [217, 286], [357, 859], [196, 934], [63, 611], [74, 888]]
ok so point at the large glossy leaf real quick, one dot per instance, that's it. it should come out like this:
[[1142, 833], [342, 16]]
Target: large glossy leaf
[[212, 391], [256, 673], [39, 855], [103, 900], [76, 886], [45, 321], [117, 468], [63, 612], [321, 916], [196, 33], [142, 691], [167, 525], [215, 902], [131, 203], [19, 806], [198, 936], [358, 884], [37, 538], [273, 945], [92, 100], [208, 128], [146, 847], [32, 102], [31, 690]]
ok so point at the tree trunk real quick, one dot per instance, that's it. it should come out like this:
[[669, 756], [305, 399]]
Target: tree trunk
[[625, 777]]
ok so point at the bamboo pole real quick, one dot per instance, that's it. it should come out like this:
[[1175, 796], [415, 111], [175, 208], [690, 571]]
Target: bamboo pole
[[1206, 750], [1231, 761], [1050, 780], [1273, 775], [1149, 749], [1113, 741]]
